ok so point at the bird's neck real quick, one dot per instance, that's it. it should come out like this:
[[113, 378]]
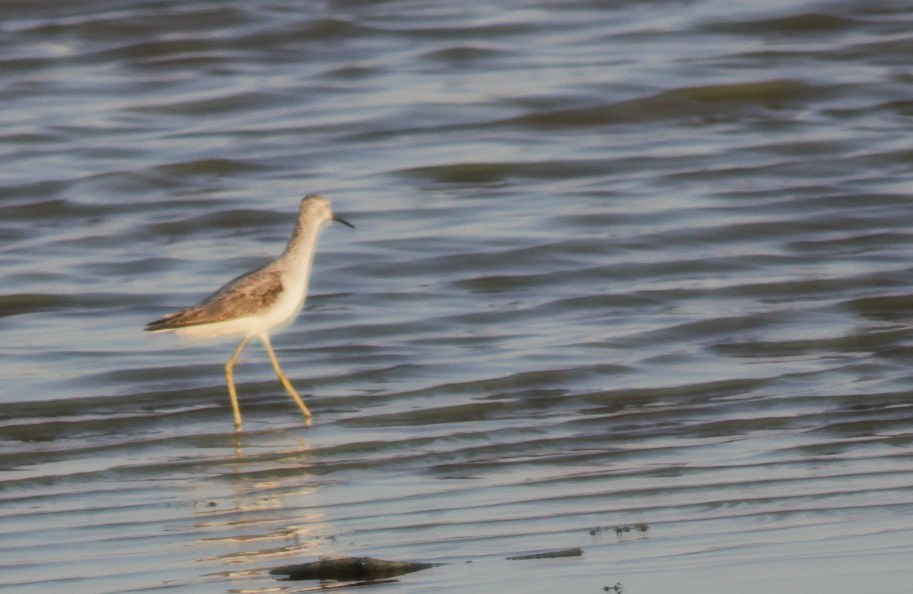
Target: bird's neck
[[300, 250]]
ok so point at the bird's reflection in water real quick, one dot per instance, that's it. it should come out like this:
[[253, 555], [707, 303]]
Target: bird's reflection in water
[[260, 507]]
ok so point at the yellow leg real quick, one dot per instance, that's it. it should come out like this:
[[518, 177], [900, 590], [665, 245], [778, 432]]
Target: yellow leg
[[284, 379], [229, 379]]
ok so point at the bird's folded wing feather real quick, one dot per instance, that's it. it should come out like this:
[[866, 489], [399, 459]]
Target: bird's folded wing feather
[[244, 296]]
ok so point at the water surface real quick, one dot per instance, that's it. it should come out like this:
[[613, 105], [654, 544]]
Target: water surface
[[629, 278]]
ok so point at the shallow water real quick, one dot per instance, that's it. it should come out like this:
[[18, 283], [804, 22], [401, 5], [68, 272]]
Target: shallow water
[[631, 279]]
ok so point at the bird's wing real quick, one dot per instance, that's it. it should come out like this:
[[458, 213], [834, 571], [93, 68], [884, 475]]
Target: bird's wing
[[241, 297]]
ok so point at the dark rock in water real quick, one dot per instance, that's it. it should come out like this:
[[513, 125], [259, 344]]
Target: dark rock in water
[[349, 568], [549, 555]]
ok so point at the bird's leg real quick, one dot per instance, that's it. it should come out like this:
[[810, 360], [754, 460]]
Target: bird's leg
[[282, 378], [229, 378]]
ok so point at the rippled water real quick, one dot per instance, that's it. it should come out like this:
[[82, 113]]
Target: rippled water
[[631, 278]]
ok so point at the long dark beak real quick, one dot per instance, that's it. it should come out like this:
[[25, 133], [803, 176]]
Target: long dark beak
[[343, 221]]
